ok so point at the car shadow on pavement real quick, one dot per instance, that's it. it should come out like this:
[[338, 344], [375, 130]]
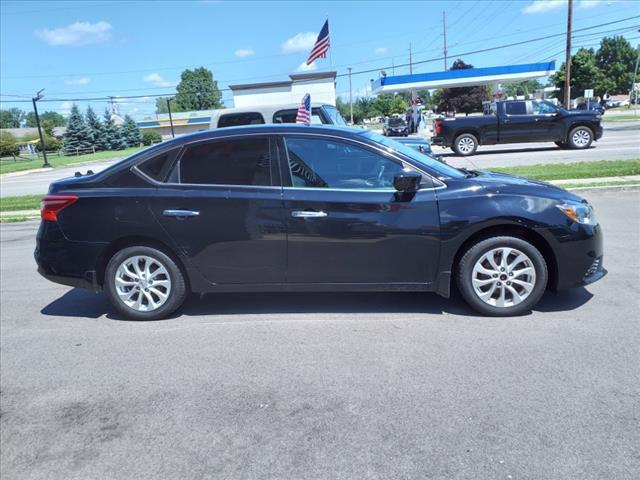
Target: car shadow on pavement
[[83, 303]]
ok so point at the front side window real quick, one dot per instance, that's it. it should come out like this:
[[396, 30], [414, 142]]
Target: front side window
[[329, 163], [542, 108], [237, 119], [242, 161], [516, 108]]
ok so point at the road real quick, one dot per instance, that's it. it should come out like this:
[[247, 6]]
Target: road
[[620, 141], [319, 386]]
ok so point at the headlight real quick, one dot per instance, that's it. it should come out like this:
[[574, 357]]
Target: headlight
[[579, 212]]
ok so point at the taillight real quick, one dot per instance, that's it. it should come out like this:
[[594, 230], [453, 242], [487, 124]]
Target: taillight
[[437, 127], [51, 205]]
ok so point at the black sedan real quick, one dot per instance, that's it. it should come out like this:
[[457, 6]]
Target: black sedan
[[420, 144], [301, 208], [395, 127]]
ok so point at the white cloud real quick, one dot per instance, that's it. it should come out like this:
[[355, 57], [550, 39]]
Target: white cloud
[[299, 42], [78, 33], [542, 6], [303, 67], [381, 50], [584, 4], [65, 108], [357, 93], [157, 80], [244, 52], [77, 81]]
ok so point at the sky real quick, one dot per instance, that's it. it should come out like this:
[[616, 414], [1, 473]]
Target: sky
[[84, 49]]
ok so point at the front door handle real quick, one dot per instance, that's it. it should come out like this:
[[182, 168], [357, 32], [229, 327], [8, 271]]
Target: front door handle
[[308, 214], [180, 213]]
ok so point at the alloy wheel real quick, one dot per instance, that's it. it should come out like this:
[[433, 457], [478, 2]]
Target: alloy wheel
[[466, 145], [581, 138], [142, 283], [503, 277]]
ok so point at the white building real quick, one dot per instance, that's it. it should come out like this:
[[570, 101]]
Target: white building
[[320, 85]]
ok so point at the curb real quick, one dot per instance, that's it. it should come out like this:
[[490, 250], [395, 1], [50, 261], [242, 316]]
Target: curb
[[25, 172]]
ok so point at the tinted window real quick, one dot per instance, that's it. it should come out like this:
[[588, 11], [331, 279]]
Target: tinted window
[[327, 163], [289, 116], [334, 115], [243, 161], [396, 121], [237, 119], [516, 108], [158, 166], [542, 108]]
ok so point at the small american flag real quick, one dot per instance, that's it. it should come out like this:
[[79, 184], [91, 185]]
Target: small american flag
[[304, 110], [321, 46]]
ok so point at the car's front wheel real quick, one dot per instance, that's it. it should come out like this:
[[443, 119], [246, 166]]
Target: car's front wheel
[[502, 276], [580, 137], [144, 283], [465, 144]]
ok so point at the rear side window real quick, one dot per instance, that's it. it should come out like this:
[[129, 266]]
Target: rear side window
[[289, 116], [158, 167], [516, 108], [237, 119], [244, 161]]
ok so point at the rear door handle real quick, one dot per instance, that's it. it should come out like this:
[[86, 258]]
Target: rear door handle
[[180, 213], [308, 214]]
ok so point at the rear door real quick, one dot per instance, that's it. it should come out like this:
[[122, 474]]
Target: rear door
[[223, 209], [345, 221]]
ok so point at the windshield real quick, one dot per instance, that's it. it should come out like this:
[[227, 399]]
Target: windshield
[[394, 122], [441, 169], [334, 115]]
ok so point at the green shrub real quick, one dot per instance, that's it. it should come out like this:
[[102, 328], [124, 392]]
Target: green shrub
[[150, 137], [8, 145], [51, 143]]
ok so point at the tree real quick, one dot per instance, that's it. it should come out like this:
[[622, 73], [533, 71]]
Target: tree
[[131, 132], [111, 133], [585, 74], [161, 105], [8, 145], [11, 118], [95, 128], [388, 104], [616, 60], [198, 90], [463, 99], [525, 88], [77, 136], [150, 137], [50, 142], [54, 118]]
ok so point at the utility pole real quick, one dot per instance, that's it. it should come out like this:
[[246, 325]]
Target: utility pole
[[35, 110], [393, 66], [632, 97], [567, 62], [410, 61], [350, 97], [444, 34], [173, 135]]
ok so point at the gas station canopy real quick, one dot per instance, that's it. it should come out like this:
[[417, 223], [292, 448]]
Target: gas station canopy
[[464, 78]]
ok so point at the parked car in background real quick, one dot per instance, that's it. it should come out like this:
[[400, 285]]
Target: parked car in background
[[420, 144], [395, 126], [591, 105], [290, 208], [519, 121], [321, 114]]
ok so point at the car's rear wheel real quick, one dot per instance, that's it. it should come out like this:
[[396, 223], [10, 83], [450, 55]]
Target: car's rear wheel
[[144, 283], [580, 137], [465, 144], [502, 276]]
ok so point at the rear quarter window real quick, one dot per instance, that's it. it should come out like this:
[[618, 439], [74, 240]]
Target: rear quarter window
[[237, 119], [158, 167]]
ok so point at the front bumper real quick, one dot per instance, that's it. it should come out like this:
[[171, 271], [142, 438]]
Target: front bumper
[[599, 131]]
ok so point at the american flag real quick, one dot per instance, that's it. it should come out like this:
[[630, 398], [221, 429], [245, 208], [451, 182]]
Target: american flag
[[304, 110], [321, 46]]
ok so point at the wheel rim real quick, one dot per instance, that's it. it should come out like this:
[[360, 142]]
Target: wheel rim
[[466, 145], [142, 283], [503, 277], [581, 138]]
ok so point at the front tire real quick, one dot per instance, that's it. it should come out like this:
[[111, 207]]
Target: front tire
[[465, 144], [144, 283], [580, 138], [502, 276]]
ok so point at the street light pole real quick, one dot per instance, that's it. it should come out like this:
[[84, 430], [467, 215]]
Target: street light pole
[[633, 97], [567, 62], [35, 110], [350, 97], [173, 135]]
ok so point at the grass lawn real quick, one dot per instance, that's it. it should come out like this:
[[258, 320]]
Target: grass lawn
[[26, 202], [7, 165], [559, 171], [621, 183], [621, 118]]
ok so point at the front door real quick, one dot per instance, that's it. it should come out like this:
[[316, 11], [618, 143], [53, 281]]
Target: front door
[[223, 210], [520, 124], [345, 221]]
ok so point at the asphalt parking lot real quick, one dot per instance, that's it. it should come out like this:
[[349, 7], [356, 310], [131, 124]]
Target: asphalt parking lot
[[324, 386]]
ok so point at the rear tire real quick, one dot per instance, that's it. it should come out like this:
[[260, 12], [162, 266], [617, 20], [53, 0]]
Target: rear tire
[[144, 283], [465, 144], [580, 138], [502, 276]]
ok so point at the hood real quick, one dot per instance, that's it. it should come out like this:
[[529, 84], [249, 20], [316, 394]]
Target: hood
[[501, 183]]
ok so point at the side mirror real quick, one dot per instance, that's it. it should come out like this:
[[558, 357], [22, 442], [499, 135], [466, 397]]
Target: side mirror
[[407, 181]]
